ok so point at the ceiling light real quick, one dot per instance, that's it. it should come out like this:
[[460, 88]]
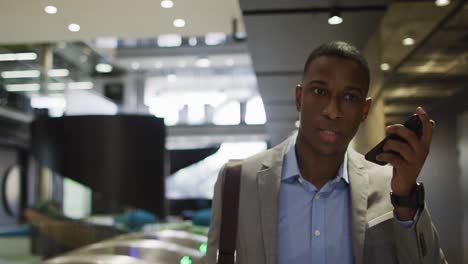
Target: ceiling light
[[179, 23], [192, 41], [442, 2], [167, 4], [170, 40], [335, 18], [74, 27], [80, 85], [28, 87], [203, 63], [103, 67], [408, 41], [56, 86], [385, 66], [50, 10], [18, 56], [215, 38], [58, 73], [135, 65], [171, 78], [21, 74]]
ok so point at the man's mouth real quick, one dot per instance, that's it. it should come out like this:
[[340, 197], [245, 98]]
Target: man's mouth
[[328, 135]]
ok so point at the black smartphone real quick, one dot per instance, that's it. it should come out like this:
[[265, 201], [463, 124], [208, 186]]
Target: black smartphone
[[413, 123]]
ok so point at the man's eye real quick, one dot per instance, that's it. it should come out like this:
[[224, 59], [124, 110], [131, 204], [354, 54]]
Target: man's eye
[[320, 91], [351, 97]]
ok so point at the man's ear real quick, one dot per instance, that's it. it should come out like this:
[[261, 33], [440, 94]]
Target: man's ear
[[298, 97], [366, 108]]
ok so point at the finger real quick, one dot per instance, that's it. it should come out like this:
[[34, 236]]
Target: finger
[[426, 125], [406, 134], [402, 148], [391, 158]]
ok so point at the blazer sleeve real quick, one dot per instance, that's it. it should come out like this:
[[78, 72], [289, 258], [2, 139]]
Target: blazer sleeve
[[419, 243], [215, 225]]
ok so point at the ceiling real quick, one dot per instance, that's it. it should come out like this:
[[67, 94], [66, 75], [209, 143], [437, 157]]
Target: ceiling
[[25, 21]]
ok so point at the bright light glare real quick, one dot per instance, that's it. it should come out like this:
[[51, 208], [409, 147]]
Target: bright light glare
[[228, 114], [442, 2], [74, 27], [29, 87], [255, 112], [103, 67], [215, 38], [18, 56], [167, 4], [408, 41], [48, 102], [385, 66], [335, 20], [58, 73], [179, 23], [21, 74], [169, 40], [50, 10], [196, 113], [203, 63]]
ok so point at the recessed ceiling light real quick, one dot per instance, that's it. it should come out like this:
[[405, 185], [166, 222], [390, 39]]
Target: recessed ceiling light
[[385, 66], [335, 18], [73, 27], [442, 2], [50, 9], [167, 4], [408, 41], [135, 65], [18, 56], [192, 41], [203, 63], [172, 78], [179, 23], [103, 67], [29, 87], [169, 40], [21, 74], [58, 72]]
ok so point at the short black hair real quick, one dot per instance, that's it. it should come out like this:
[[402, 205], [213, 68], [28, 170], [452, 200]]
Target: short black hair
[[341, 50]]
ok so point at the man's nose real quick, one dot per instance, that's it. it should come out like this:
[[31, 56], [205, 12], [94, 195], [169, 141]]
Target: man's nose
[[332, 109]]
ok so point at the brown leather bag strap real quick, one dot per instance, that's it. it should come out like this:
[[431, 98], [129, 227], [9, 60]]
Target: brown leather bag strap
[[229, 213]]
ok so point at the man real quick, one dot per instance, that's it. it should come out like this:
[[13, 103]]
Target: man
[[313, 199]]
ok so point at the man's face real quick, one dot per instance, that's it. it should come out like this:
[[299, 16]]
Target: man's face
[[332, 103]]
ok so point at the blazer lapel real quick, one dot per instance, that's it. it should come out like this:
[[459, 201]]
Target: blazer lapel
[[358, 193], [268, 182]]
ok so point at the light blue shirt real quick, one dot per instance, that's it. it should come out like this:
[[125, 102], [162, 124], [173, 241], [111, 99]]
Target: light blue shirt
[[313, 226]]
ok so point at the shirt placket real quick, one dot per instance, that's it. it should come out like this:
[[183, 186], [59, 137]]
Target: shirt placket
[[318, 228]]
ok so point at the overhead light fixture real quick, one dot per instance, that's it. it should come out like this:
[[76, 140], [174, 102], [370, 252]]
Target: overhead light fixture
[[135, 65], [442, 3], [171, 78], [25, 56], [50, 9], [335, 18], [74, 27], [215, 38], [192, 41], [203, 63], [21, 74], [56, 86], [103, 67], [167, 4], [27, 87], [169, 40], [179, 23], [58, 73], [408, 41], [80, 85], [385, 66]]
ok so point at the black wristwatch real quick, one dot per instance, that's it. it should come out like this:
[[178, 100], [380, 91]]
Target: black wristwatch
[[414, 200]]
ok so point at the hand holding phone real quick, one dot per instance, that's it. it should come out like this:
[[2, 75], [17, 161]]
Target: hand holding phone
[[413, 123]]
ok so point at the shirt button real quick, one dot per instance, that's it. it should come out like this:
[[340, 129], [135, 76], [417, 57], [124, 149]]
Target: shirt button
[[317, 233], [317, 196]]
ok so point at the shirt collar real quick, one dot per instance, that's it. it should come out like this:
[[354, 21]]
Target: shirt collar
[[291, 168]]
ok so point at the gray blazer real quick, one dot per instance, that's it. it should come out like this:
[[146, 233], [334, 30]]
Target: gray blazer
[[376, 236]]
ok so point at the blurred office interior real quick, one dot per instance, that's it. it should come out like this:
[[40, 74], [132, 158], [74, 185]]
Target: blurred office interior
[[116, 116]]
